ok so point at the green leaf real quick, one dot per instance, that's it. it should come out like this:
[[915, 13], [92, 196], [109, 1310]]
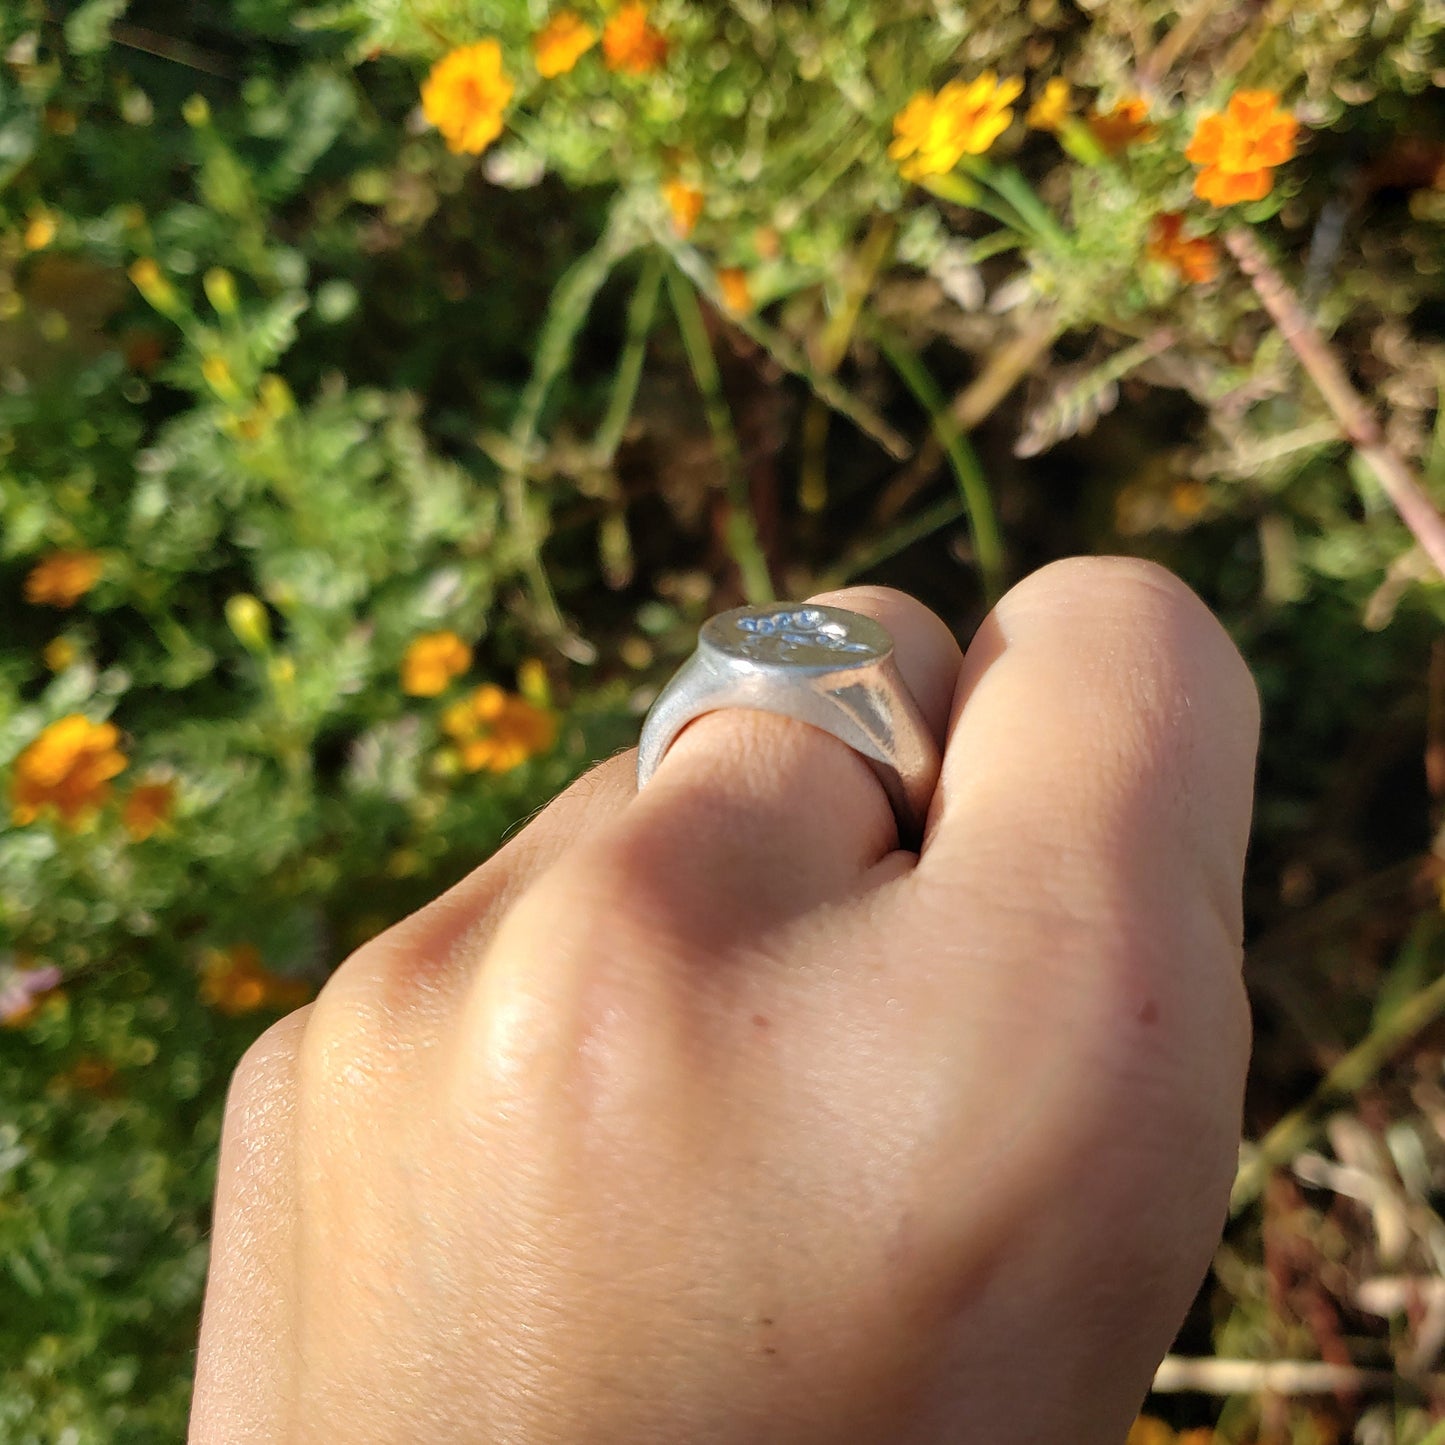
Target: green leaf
[[87, 30]]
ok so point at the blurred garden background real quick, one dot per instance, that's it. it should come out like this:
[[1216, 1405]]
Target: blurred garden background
[[388, 389]]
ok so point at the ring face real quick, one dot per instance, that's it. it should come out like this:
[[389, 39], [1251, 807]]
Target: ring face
[[827, 639], [829, 668]]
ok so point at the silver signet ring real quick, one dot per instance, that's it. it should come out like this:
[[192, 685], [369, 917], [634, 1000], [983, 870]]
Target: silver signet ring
[[824, 666]]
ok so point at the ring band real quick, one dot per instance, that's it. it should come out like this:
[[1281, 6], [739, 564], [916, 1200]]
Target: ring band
[[824, 666]]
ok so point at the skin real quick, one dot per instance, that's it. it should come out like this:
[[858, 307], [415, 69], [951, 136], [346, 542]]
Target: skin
[[708, 1114]]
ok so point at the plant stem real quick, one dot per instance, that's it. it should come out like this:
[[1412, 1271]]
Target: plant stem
[[741, 531], [870, 259], [905, 534], [1035, 216], [787, 355], [641, 312], [972, 484], [1358, 423], [567, 310], [1160, 61]]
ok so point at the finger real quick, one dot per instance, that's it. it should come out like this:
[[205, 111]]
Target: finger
[[1082, 875], [750, 802], [1103, 717], [247, 1344]]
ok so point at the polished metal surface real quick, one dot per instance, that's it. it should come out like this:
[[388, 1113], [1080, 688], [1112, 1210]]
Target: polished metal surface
[[824, 666]]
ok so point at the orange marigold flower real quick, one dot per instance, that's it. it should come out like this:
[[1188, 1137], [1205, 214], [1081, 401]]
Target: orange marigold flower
[[631, 43], [1194, 258], [235, 981], [465, 96], [495, 731], [67, 768], [432, 661], [1123, 125], [63, 578], [685, 203], [148, 809], [737, 295], [561, 43], [932, 133], [1240, 147], [1049, 110]]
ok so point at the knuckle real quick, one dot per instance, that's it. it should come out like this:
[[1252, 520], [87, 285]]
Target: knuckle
[[581, 995], [1114, 594], [265, 1078]]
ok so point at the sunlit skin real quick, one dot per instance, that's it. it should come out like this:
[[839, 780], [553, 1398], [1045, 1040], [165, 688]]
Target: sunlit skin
[[706, 1114]]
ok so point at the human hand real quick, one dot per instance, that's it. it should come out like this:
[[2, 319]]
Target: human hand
[[708, 1115]]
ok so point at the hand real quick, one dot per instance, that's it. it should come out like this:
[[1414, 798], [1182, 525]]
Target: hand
[[708, 1115]]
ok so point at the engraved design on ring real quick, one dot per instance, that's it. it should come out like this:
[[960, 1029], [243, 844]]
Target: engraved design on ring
[[824, 666]]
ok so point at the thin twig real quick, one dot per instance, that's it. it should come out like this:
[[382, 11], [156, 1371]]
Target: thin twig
[[1179, 1374], [1359, 424], [870, 554], [1240, 55], [1160, 61], [1006, 368], [163, 47]]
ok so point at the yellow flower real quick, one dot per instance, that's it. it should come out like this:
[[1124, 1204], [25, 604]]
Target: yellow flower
[[59, 654], [62, 579], [561, 43], [432, 661], [150, 281], [465, 96], [1240, 148], [219, 377], [685, 203], [148, 809], [40, 231], [932, 133], [630, 43], [497, 731], [67, 768], [737, 295], [235, 981], [533, 682], [1049, 110]]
